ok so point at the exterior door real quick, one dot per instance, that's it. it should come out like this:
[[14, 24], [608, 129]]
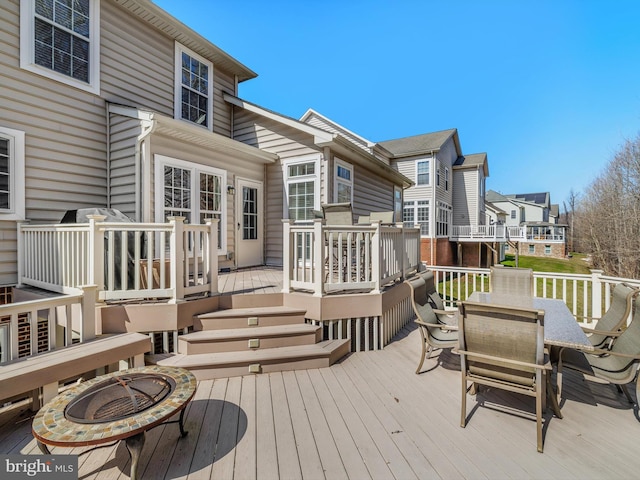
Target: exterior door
[[249, 223]]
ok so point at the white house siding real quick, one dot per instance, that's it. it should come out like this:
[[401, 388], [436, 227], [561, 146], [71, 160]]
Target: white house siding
[[288, 143]]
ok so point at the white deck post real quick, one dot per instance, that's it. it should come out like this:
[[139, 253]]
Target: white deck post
[[213, 224], [286, 255], [89, 296], [20, 251], [376, 253], [177, 257], [318, 256], [596, 294], [96, 252]]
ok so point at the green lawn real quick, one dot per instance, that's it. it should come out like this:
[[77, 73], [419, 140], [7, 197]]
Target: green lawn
[[576, 264]]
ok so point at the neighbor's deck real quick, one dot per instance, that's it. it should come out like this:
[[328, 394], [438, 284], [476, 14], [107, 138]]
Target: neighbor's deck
[[369, 416]]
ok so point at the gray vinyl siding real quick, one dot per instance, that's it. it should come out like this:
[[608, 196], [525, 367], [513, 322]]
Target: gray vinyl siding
[[370, 193], [465, 198], [446, 156], [407, 167], [288, 143], [122, 188], [138, 68]]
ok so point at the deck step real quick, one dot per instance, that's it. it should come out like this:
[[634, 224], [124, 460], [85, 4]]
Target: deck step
[[206, 366], [239, 339], [249, 317]]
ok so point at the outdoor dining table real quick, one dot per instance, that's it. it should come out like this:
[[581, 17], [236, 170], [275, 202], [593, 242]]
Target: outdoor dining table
[[560, 327]]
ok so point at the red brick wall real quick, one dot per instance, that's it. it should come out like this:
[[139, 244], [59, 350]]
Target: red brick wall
[[557, 250], [443, 251]]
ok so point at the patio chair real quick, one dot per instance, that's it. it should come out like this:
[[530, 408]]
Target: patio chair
[[503, 347], [610, 325], [382, 217], [445, 315], [337, 213], [618, 366], [434, 333], [512, 281]]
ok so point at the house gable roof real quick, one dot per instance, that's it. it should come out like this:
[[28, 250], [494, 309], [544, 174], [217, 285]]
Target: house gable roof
[[337, 142], [316, 119], [174, 28], [474, 160], [421, 144]]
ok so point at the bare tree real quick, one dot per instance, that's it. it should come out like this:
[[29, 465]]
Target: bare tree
[[608, 214]]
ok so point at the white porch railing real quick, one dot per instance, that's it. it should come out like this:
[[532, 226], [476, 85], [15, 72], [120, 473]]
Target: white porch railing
[[125, 260], [327, 258], [72, 314], [587, 296], [503, 233]]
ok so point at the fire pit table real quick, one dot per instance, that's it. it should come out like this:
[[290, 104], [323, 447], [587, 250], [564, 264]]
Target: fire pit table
[[117, 406]]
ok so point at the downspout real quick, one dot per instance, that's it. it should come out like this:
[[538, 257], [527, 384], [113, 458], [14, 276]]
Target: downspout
[[435, 205], [148, 127], [108, 123]]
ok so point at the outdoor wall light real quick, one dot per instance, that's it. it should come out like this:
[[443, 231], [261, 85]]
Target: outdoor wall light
[[231, 190]]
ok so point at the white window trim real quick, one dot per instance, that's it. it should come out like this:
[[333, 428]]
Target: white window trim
[[177, 92], [16, 175], [418, 162], [27, 49], [415, 206], [337, 180], [160, 162], [316, 176]]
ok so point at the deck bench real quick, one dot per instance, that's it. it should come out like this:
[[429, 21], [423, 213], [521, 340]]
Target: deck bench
[[45, 371]]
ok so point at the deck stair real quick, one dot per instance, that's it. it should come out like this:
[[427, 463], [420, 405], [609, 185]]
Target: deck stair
[[252, 339]]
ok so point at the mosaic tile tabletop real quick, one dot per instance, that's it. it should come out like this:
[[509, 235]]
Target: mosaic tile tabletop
[[50, 426]]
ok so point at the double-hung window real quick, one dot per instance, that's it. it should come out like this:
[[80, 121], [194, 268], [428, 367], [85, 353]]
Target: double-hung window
[[422, 172], [343, 188], [193, 191], [60, 40], [193, 88], [12, 184], [416, 213], [302, 189], [446, 179]]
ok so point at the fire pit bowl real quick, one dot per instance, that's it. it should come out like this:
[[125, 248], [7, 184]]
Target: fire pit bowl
[[117, 406]]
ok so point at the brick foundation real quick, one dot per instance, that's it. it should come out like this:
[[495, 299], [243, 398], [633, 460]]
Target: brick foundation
[[539, 249]]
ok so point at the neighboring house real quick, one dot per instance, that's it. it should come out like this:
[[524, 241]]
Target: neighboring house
[[448, 192], [541, 235]]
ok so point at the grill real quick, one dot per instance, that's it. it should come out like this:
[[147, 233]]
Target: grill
[[119, 397]]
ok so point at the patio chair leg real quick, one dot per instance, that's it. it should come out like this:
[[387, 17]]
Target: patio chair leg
[[463, 413], [553, 398], [539, 421], [424, 352]]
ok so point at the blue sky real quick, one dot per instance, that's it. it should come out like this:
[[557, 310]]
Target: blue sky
[[548, 89]]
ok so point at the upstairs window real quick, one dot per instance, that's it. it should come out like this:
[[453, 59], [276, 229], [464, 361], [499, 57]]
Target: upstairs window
[[446, 179], [60, 40], [422, 172], [513, 214], [343, 189], [12, 203], [438, 175], [194, 88]]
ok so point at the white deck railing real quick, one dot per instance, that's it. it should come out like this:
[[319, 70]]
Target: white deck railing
[[125, 260], [326, 258], [75, 313], [587, 296], [503, 233]]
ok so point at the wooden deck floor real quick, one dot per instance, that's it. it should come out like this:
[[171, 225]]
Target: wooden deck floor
[[371, 417], [251, 280]]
